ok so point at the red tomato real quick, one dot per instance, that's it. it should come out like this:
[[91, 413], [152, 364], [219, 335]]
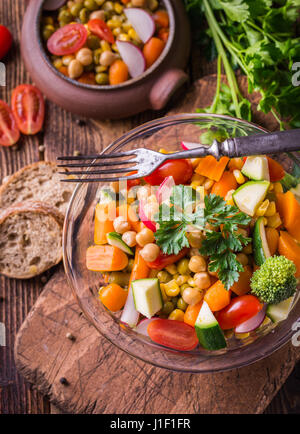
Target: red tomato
[[101, 29], [9, 133], [132, 182], [173, 334], [5, 40], [163, 260], [181, 170], [67, 39], [275, 169], [28, 108], [240, 309]]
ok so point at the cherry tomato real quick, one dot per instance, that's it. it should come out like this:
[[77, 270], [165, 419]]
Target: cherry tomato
[[163, 260], [9, 132], [67, 39], [28, 108], [5, 40], [132, 182], [173, 334], [181, 170], [101, 29], [240, 309]]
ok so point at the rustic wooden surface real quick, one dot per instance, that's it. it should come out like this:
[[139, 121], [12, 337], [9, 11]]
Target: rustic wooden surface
[[62, 134]]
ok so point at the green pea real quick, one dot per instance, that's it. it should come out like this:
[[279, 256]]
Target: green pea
[[47, 31], [84, 15], [102, 78], [119, 278], [93, 42], [183, 287], [183, 266], [164, 277], [167, 307], [174, 301], [108, 6], [98, 69], [65, 17], [181, 304], [99, 2], [75, 9], [96, 55], [91, 5]]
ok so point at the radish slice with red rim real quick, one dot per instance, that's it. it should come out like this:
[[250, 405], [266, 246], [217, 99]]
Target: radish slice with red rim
[[144, 219], [133, 57], [143, 326], [190, 145], [252, 323], [130, 315], [165, 189], [142, 22]]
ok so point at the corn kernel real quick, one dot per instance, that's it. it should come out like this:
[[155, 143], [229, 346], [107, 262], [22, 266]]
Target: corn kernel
[[126, 26], [271, 210], [114, 48], [242, 335], [266, 322], [105, 45], [195, 184], [197, 177], [118, 8], [117, 31], [191, 282], [278, 187], [124, 37], [182, 278], [163, 292], [177, 315], [271, 187], [240, 179], [172, 288], [195, 162], [208, 184], [133, 35], [171, 269], [230, 202], [261, 210], [265, 221], [112, 24], [274, 221]]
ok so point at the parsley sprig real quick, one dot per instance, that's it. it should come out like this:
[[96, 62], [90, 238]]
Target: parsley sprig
[[184, 213]]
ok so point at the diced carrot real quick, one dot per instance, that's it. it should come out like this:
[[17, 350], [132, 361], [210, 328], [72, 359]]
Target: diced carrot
[[211, 168], [113, 297], [105, 258], [191, 313], [64, 70], [272, 236], [128, 212], [103, 223], [87, 78], [226, 183], [140, 269], [242, 286], [289, 210], [118, 72], [288, 247], [276, 171], [235, 164], [152, 50], [163, 34], [161, 18], [217, 297]]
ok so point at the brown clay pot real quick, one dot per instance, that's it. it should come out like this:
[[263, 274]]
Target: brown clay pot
[[152, 90]]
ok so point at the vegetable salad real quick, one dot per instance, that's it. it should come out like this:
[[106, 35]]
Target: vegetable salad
[[105, 42], [199, 251]]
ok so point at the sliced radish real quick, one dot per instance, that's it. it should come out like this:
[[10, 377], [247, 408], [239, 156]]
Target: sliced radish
[[130, 315], [252, 323], [133, 57], [143, 325], [190, 145], [165, 189], [144, 219], [142, 22]]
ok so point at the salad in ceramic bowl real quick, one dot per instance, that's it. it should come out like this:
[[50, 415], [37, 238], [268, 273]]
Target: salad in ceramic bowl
[[189, 266]]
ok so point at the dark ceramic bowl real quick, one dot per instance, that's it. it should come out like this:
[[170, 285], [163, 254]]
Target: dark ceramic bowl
[[152, 90]]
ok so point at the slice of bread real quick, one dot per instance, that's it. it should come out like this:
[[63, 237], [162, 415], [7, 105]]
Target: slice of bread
[[30, 239], [39, 182]]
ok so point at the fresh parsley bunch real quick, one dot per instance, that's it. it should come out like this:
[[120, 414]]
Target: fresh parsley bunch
[[185, 213]]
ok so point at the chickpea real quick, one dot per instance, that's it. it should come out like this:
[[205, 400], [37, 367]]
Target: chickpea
[[121, 225], [192, 296], [66, 60], [194, 252], [85, 56], [150, 252], [107, 58], [195, 239], [242, 258], [129, 238], [97, 15], [197, 263], [138, 3], [144, 192], [202, 280], [145, 236], [75, 69]]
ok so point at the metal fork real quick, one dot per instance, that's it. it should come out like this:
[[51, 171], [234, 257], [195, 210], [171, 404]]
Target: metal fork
[[144, 161]]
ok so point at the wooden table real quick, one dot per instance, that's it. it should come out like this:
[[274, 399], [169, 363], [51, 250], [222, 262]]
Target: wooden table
[[63, 133]]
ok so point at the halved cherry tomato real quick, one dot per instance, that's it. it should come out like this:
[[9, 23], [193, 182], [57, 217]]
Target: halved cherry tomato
[[161, 18], [163, 260], [5, 40], [28, 107], [275, 169], [9, 132], [132, 182], [240, 309], [67, 39], [101, 29], [181, 170], [173, 334]]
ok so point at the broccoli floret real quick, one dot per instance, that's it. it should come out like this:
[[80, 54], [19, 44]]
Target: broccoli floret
[[275, 280]]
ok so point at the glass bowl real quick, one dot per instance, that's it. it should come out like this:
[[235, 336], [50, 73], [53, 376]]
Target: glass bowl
[[166, 133]]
